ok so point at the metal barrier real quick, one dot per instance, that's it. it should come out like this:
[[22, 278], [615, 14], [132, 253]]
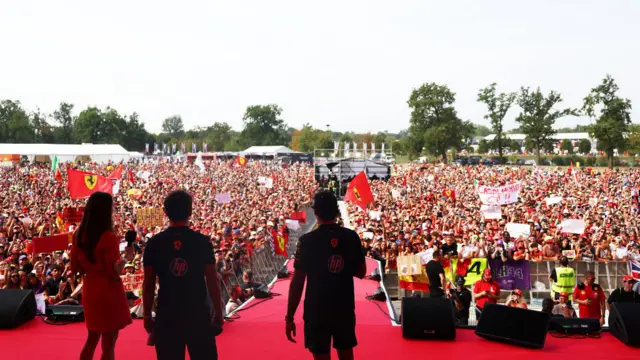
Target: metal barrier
[[264, 264]]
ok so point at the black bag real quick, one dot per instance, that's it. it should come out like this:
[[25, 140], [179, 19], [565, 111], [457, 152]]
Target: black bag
[[262, 292]]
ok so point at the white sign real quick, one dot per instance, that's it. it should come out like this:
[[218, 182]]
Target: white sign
[[572, 226], [223, 198], [501, 195], [265, 182], [552, 200], [491, 211], [293, 224], [518, 230]]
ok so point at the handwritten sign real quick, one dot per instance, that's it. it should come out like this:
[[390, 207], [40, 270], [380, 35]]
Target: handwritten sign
[[571, 254], [132, 282], [150, 217], [223, 198], [500, 195], [73, 215]]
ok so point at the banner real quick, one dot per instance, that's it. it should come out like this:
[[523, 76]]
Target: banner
[[46, 244], [511, 274], [518, 230], [471, 269], [133, 282], [223, 198], [149, 217], [491, 211], [572, 226], [409, 265], [501, 195], [266, 182]]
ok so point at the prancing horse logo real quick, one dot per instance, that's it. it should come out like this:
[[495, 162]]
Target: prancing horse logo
[[91, 181], [356, 193]]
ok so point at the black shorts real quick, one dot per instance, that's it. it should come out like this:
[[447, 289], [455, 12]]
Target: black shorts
[[318, 336], [199, 341]]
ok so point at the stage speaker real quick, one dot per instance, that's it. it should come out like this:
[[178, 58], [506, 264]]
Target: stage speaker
[[574, 326], [16, 307], [65, 313], [624, 322], [427, 318], [527, 328]]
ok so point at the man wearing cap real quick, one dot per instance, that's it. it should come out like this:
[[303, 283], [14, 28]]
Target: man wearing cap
[[328, 258], [625, 293], [590, 298], [461, 297], [562, 279], [486, 290], [563, 308]]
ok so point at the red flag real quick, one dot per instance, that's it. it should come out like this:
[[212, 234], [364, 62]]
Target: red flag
[[301, 216], [280, 241], [130, 177], [359, 191], [58, 175], [47, 244], [241, 160], [449, 194], [82, 184], [116, 174]]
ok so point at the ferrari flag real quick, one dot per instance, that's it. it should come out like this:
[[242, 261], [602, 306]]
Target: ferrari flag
[[359, 191], [83, 184]]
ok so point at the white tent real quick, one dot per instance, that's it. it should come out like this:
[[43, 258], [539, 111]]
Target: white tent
[[100, 153], [268, 150]]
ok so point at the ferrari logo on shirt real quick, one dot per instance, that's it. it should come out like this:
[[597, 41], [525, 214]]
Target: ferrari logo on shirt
[[582, 292], [281, 242], [356, 193], [177, 244], [448, 193], [91, 181], [334, 243]]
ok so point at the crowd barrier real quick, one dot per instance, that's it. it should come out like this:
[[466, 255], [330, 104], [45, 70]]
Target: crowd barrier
[[263, 263]]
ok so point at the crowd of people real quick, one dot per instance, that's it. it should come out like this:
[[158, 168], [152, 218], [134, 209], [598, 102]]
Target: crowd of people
[[434, 210], [34, 199]]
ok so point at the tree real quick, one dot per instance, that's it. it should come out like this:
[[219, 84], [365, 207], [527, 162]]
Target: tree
[[483, 146], [15, 125], [633, 142], [173, 126], [217, 135], [136, 134], [537, 117], [612, 116], [584, 146], [65, 130], [567, 146], [481, 130], [498, 106], [42, 130], [88, 126], [263, 126], [434, 122]]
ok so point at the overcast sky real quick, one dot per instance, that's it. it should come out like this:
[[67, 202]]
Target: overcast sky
[[350, 64]]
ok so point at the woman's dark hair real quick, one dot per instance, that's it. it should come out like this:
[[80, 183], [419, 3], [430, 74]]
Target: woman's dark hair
[[178, 206], [547, 305], [95, 221]]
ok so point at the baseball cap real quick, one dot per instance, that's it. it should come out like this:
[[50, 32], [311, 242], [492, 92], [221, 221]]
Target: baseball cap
[[628, 278], [564, 294], [487, 273], [460, 280]]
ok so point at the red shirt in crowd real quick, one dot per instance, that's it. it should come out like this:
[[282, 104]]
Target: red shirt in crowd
[[593, 292], [491, 286]]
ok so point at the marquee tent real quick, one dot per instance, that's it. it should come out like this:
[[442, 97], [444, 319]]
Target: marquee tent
[[268, 150], [100, 153]]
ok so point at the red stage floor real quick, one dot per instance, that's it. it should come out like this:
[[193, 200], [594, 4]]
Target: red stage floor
[[259, 333]]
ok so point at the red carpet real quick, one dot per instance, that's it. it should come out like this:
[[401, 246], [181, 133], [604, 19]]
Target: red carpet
[[259, 333]]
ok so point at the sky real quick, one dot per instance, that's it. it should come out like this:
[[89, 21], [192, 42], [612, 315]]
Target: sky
[[349, 64]]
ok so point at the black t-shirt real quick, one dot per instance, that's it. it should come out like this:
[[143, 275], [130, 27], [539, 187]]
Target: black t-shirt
[[464, 297], [619, 296], [330, 256], [434, 269], [451, 250], [52, 286], [179, 257]]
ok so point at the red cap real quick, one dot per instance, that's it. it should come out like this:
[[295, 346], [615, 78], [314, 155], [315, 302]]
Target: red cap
[[487, 273], [564, 294], [517, 292], [628, 278]]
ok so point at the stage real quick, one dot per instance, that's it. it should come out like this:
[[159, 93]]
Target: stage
[[258, 332]]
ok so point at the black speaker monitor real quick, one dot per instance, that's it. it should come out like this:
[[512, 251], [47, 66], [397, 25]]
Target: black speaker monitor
[[427, 318], [624, 322], [16, 307], [526, 328]]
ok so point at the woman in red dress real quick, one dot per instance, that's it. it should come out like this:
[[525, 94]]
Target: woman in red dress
[[95, 254]]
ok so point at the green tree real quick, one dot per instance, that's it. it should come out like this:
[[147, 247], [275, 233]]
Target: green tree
[[612, 116], [481, 130], [498, 105], [65, 129], [263, 126], [537, 117], [88, 126], [434, 122], [217, 135], [584, 146], [113, 128], [633, 141], [15, 125], [483, 146], [136, 134], [42, 130], [567, 146], [173, 126]]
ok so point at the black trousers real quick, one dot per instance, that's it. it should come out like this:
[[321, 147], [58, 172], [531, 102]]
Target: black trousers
[[172, 341], [318, 335]]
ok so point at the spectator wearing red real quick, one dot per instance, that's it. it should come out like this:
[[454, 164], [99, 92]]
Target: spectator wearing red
[[515, 299], [486, 290], [590, 298]]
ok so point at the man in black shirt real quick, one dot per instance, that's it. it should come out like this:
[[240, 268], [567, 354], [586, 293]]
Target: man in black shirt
[[626, 293], [449, 248], [328, 257], [183, 261], [435, 273], [461, 297]]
